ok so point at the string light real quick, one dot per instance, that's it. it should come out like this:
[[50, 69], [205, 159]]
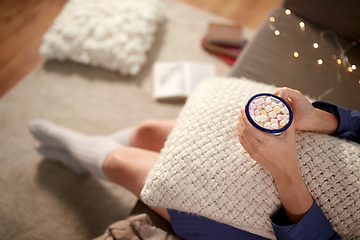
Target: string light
[[340, 59], [302, 26]]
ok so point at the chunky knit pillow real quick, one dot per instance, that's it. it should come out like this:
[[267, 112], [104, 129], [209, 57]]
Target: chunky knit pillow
[[204, 169], [113, 34]]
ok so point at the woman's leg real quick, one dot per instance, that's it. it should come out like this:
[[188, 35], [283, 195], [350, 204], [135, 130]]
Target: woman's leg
[[151, 134], [101, 156], [128, 167]]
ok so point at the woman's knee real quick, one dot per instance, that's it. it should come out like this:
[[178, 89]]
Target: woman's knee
[[145, 130], [114, 160]]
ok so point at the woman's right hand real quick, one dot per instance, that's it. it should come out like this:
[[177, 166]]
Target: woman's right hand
[[306, 117]]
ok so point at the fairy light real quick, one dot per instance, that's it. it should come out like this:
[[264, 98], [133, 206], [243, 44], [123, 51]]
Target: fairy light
[[302, 26], [340, 59]]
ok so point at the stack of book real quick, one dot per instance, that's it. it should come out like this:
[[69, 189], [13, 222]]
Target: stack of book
[[224, 40]]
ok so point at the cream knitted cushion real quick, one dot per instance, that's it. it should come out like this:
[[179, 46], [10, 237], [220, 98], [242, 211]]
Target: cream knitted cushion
[[113, 34], [204, 169]]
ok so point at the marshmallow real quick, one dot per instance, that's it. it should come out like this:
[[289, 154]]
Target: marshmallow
[[272, 114], [277, 109], [267, 125], [259, 101], [263, 118], [273, 104], [269, 112], [283, 122], [268, 100], [268, 108], [252, 106], [284, 110]]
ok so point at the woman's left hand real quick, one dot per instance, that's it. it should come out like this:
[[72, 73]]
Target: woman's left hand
[[277, 154]]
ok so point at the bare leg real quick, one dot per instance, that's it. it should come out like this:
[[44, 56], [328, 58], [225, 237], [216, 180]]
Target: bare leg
[[128, 167], [151, 134], [103, 156]]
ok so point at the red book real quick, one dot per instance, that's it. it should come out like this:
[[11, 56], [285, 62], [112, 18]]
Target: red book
[[226, 53], [226, 59], [230, 51]]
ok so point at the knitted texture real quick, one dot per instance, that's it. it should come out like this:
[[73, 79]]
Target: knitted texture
[[203, 168], [113, 34]]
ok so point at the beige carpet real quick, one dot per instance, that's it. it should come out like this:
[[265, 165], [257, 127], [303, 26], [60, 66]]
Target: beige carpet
[[40, 199]]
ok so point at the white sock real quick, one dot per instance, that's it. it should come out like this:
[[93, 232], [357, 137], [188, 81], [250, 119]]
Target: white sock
[[89, 151], [123, 136], [62, 156]]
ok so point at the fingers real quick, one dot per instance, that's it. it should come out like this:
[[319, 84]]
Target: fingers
[[248, 142], [250, 138], [249, 129], [288, 93]]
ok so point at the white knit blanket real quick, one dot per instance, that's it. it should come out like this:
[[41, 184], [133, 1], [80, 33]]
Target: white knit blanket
[[113, 34], [204, 169]]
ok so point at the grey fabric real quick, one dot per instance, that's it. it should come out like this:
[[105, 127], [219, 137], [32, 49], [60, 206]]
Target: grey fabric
[[139, 227], [158, 221], [341, 16], [269, 59]]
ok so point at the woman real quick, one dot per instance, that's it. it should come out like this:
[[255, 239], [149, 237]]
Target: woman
[[127, 156]]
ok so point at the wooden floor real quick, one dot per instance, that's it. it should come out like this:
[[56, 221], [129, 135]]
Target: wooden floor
[[22, 24]]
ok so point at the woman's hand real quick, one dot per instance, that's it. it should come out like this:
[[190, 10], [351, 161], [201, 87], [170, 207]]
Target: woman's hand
[[306, 117], [277, 154]]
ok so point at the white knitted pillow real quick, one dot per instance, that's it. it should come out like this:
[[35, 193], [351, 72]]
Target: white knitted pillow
[[204, 169], [113, 34]]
